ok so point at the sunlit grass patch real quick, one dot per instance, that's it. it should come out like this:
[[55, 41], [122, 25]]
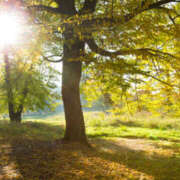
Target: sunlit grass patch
[[101, 119], [134, 132]]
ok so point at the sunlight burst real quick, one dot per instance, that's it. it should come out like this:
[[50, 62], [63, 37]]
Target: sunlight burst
[[10, 29]]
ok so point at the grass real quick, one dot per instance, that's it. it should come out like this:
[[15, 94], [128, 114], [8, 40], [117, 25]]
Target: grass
[[140, 120], [107, 125], [133, 148]]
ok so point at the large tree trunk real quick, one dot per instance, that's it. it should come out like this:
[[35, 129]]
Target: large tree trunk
[[71, 76], [75, 128]]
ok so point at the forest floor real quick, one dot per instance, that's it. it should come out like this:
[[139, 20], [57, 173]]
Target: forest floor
[[32, 151]]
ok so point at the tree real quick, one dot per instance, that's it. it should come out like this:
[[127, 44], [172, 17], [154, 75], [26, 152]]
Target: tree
[[125, 35], [26, 85]]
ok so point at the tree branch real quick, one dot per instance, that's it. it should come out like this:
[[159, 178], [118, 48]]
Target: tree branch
[[45, 8], [159, 3], [152, 52], [89, 7], [127, 17], [157, 79], [54, 61]]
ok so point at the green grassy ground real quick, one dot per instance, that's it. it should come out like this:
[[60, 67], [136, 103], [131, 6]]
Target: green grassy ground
[[106, 125], [123, 148]]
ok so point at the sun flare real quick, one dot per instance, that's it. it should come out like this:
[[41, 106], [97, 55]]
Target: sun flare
[[10, 29]]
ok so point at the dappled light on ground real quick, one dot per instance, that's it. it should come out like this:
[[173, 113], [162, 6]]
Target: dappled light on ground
[[32, 154], [42, 160], [33, 150], [8, 169]]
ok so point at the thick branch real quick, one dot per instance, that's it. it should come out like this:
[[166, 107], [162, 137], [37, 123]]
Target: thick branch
[[95, 48], [65, 7], [54, 61], [46, 8], [159, 3], [89, 7], [127, 17]]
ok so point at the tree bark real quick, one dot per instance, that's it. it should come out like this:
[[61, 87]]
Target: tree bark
[[75, 127], [15, 116], [71, 76]]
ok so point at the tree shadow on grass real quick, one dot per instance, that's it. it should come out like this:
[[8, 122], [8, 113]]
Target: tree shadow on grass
[[45, 158], [161, 167], [30, 130], [24, 148]]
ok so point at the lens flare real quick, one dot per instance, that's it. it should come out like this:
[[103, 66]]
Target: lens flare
[[10, 29]]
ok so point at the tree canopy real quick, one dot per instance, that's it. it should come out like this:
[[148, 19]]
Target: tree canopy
[[118, 42]]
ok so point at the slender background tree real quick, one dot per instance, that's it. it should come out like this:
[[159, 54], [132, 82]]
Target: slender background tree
[[26, 85]]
